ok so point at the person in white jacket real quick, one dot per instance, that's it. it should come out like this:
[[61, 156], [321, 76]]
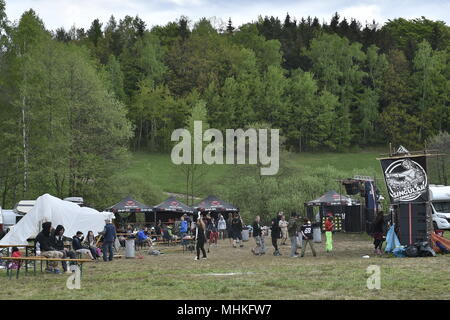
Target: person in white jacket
[[222, 227], [283, 224]]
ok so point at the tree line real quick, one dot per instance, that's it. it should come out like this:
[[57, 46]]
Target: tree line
[[74, 102]]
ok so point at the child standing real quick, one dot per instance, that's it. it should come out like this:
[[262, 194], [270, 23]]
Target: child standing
[[307, 236], [329, 225], [15, 254]]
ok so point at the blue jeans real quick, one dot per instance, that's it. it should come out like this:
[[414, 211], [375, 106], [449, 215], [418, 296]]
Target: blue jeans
[[108, 248]]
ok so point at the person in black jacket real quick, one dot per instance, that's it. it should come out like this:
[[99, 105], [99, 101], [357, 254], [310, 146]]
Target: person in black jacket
[[109, 236], [77, 241], [200, 238], [44, 239], [58, 243], [378, 233], [276, 233], [259, 238], [236, 230]]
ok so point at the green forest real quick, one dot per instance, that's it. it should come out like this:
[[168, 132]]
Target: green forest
[[76, 104]]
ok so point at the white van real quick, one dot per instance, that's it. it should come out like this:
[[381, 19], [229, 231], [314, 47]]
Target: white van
[[9, 218], [24, 206], [440, 205]]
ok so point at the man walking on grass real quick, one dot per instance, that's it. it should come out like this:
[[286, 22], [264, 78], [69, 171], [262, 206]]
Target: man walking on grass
[[307, 236], [259, 238], [275, 233]]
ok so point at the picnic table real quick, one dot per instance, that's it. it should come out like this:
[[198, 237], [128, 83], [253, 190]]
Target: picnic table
[[41, 259]]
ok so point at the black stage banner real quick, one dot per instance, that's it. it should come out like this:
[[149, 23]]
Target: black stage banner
[[406, 178]]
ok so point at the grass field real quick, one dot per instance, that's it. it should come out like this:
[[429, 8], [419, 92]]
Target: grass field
[[234, 273], [169, 177]]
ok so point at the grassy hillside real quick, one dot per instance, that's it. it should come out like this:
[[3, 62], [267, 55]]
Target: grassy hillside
[[160, 170]]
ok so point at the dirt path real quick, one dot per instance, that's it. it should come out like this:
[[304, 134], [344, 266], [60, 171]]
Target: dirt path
[[180, 195]]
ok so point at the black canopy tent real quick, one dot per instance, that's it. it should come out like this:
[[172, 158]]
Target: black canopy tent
[[169, 210], [126, 210], [346, 211], [215, 206]]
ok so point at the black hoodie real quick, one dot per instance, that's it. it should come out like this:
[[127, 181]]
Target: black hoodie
[[57, 240], [44, 237]]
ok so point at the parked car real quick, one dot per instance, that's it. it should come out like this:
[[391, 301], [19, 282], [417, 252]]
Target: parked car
[[440, 206], [8, 218], [24, 206]]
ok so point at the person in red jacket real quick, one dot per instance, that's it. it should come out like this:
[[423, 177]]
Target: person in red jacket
[[16, 254], [329, 225]]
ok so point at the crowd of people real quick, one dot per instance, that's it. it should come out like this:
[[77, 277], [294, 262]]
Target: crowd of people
[[51, 243], [205, 229]]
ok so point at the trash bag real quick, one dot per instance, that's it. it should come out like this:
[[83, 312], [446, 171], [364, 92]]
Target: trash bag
[[412, 251], [425, 250], [392, 241], [154, 252], [399, 252]]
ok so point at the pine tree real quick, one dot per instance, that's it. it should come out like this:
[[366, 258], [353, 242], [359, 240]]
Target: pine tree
[[230, 27]]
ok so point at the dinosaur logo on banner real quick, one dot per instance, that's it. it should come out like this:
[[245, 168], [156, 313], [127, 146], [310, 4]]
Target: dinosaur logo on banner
[[406, 180]]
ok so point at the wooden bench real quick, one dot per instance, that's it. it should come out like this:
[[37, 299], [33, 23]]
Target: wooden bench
[[26, 246], [41, 259]]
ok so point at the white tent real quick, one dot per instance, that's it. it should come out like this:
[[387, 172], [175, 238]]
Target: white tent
[[68, 214]]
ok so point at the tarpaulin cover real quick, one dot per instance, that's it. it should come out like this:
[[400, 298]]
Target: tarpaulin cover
[[173, 205], [443, 241], [129, 205], [213, 204], [332, 198], [51, 209]]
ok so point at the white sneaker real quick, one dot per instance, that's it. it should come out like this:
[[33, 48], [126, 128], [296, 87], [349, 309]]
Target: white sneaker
[[204, 258], [294, 256], [195, 258]]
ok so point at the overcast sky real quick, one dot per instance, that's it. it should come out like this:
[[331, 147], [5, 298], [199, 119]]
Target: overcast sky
[[66, 13]]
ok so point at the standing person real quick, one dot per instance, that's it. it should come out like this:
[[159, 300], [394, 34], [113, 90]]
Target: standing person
[[283, 224], [183, 229], [222, 227], [46, 247], [236, 230], [229, 231], [259, 237], [275, 234], [378, 233], [293, 233], [109, 235], [200, 238], [307, 236], [329, 225], [207, 222], [158, 228], [58, 243], [214, 234]]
